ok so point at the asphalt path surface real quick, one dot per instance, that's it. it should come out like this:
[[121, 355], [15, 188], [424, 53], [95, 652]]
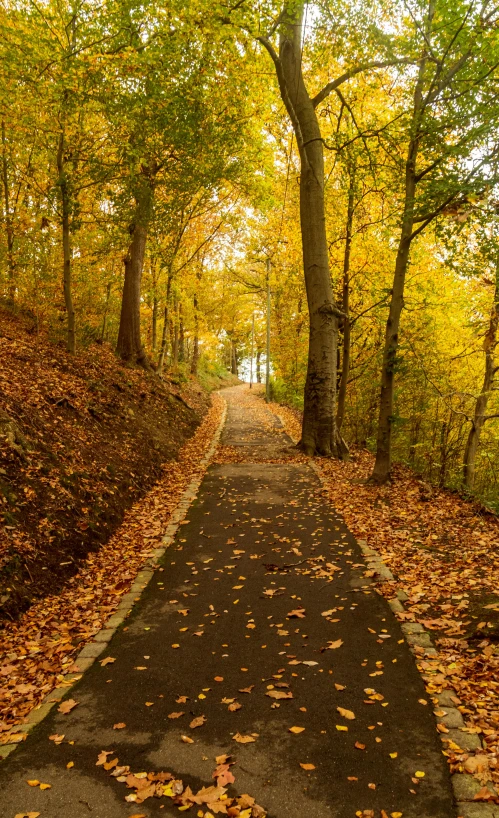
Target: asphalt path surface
[[263, 592]]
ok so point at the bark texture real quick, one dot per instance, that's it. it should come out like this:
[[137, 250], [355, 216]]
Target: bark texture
[[129, 346], [9, 227], [319, 422], [65, 199], [480, 417]]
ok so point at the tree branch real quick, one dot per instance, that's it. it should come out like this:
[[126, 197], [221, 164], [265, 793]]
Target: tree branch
[[334, 84]]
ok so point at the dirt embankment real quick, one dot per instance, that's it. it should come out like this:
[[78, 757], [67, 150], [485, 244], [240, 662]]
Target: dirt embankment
[[81, 438]]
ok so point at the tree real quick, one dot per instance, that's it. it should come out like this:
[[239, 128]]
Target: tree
[[446, 131]]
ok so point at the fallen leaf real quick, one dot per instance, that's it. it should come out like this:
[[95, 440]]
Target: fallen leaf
[[30, 815], [187, 740], [296, 730], [279, 694], [107, 661], [359, 745], [67, 706], [176, 715], [334, 645], [347, 714], [299, 613], [243, 739], [307, 766], [198, 721], [119, 726], [56, 739]]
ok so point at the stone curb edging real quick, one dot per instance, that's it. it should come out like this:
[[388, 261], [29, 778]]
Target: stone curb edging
[[101, 639], [464, 785]]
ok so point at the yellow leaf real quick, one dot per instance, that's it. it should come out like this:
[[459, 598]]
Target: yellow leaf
[[393, 755], [342, 728], [419, 774], [307, 766], [69, 765], [45, 786], [33, 782], [296, 730]]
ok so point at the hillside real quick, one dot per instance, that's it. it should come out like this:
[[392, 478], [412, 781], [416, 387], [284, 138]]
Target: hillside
[[81, 439]]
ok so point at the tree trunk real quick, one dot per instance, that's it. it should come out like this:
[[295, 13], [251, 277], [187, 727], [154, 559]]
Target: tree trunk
[[181, 335], [233, 357], [154, 323], [473, 441], [345, 319], [318, 426], [129, 345], [175, 334], [382, 465], [66, 243], [106, 309], [195, 351], [9, 229], [258, 365], [164, 336]]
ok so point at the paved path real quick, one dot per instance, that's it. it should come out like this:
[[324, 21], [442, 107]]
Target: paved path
[[215, 621]]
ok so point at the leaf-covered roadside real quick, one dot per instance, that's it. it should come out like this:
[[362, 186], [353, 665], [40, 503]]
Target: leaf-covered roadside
[[39, 649], [81, 438], [443, 553]]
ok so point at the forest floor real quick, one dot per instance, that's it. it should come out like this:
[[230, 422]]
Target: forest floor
[[261, 666], [81, 439]]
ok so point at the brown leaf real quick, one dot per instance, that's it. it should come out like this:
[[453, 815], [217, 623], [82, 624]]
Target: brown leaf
[[347, 714], [243, 739], [299, 613], [67, 706], [107, 661], [198, 721], [56, 739], [279, 694], [176, 715], [334, 645]]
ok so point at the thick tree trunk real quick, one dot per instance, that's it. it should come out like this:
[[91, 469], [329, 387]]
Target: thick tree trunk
[[66, 244], [479, 418], [318, 427], [9, 228], [129, 346]]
